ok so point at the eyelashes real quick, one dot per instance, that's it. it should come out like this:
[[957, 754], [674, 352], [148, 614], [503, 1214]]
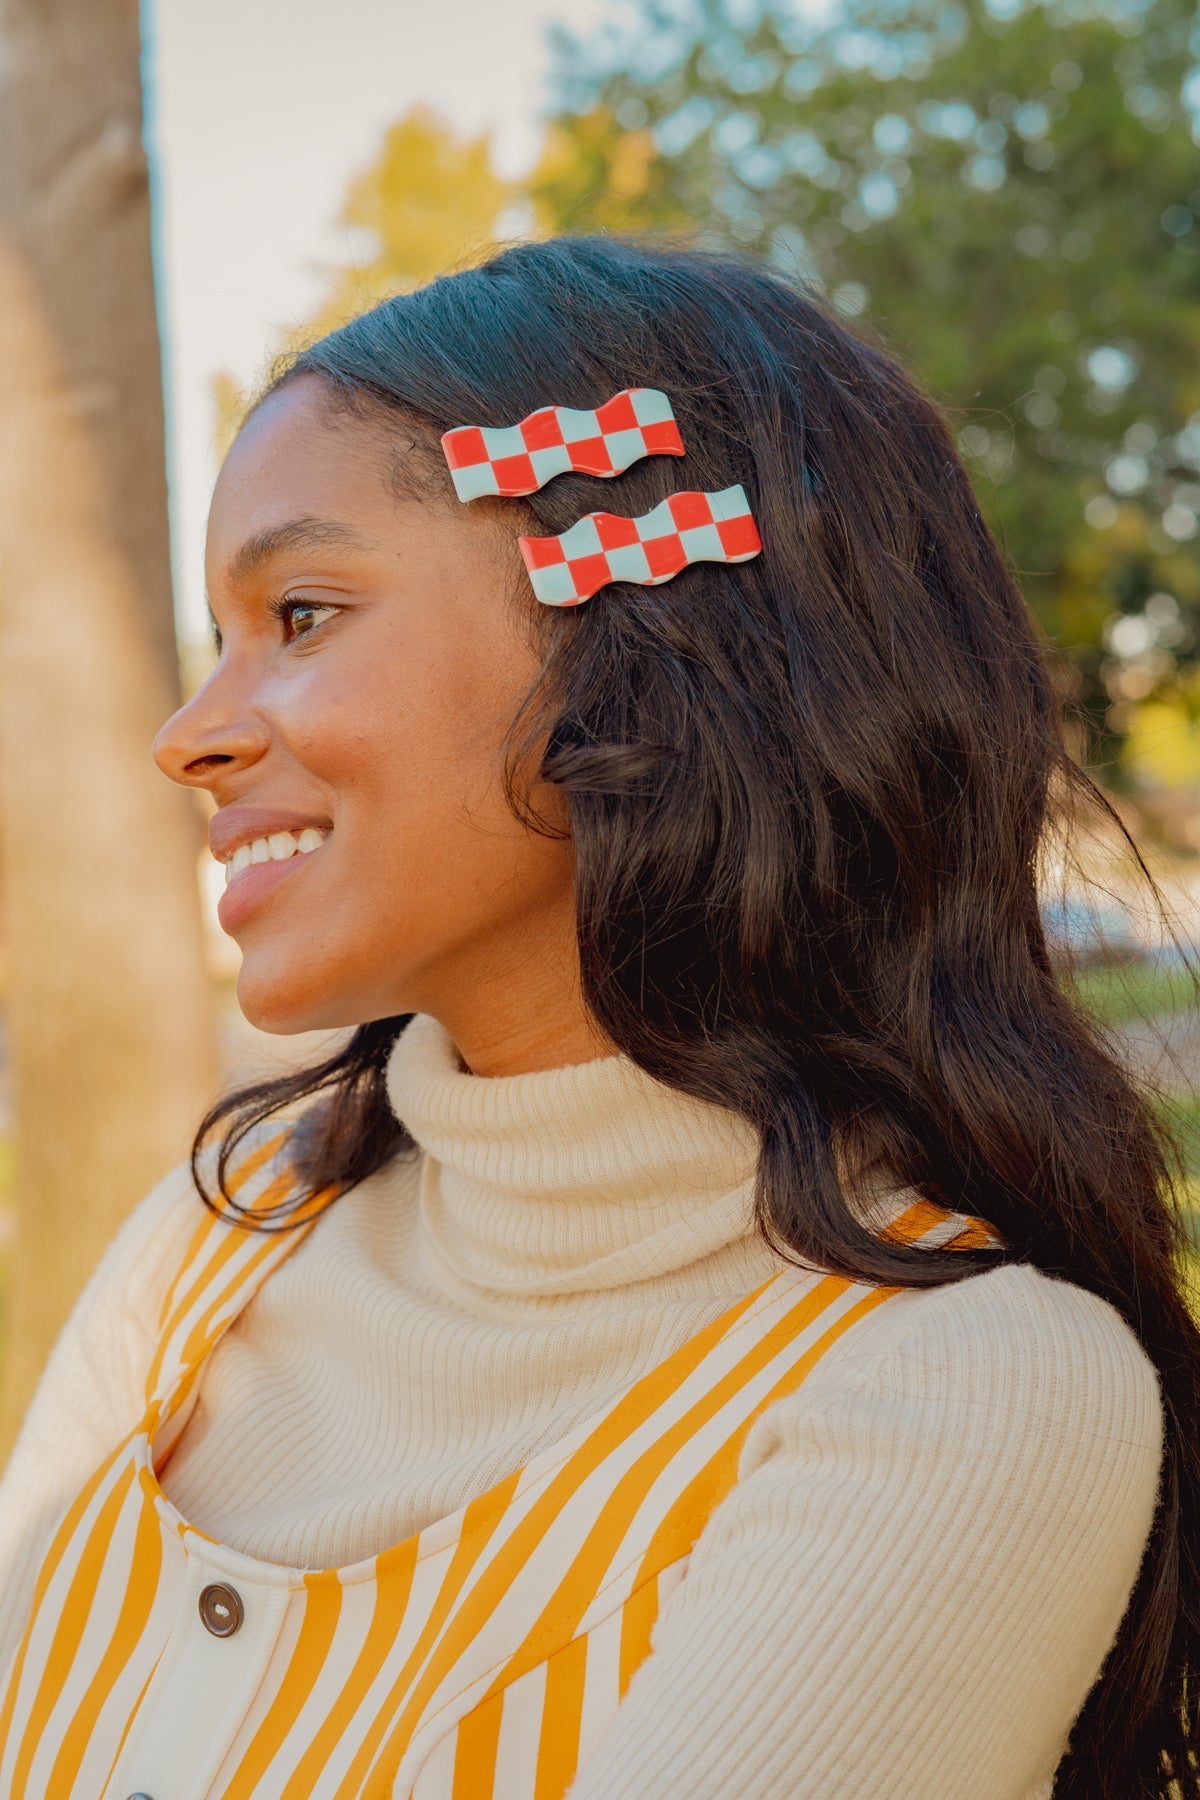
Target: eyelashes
[[286, 607], [291, 613]]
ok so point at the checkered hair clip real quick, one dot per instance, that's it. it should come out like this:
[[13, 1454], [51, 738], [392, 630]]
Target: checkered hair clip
[[511, 460], [602, 547], [690, 527]]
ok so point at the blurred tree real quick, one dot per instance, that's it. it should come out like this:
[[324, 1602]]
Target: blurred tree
[[593, 174], [1010, 193], [433, 201], [430, 202], [106, 1013]]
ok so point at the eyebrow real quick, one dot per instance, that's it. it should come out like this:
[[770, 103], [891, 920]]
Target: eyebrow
[[293, 534]]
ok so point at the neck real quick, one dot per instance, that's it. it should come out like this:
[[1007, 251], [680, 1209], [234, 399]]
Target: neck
[[526, 1041], [517, 1007]]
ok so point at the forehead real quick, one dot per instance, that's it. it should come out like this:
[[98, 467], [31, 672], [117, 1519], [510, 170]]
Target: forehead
[[314, 479], [296, 456]]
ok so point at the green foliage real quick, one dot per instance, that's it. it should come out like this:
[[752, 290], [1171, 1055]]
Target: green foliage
[[1011, 198], [594, 174]]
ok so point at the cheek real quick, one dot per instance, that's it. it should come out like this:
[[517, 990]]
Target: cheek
[[427, 743], [409, 748], [380, 713]]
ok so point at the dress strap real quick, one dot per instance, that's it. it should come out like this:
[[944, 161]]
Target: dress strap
[[223, 1266]]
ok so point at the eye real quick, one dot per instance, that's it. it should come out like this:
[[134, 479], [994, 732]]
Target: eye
[[299, 618]]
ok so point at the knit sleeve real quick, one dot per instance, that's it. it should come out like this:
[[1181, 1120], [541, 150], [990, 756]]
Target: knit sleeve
[[92, 1391], [920, 1570]]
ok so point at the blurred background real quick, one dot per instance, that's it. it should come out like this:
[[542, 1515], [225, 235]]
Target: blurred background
[[1007, 194]]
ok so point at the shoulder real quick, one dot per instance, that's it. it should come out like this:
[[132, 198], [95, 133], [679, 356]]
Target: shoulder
[[139, 1263], [136, 1273], [92, 1390], [93, 1383], [940, 1527], [973, 1337], [1011, 1363]]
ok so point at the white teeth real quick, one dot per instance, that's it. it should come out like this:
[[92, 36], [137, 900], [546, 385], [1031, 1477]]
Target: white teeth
[[278, 847]]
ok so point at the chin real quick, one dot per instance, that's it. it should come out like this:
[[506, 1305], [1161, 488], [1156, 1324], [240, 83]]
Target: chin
[[284, 1007], [285, 999]]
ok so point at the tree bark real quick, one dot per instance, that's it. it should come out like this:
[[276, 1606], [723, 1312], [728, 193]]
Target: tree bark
[[108, 1017]]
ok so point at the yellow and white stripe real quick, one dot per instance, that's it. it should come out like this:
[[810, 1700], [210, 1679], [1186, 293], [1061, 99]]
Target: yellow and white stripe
[[480, 1660]]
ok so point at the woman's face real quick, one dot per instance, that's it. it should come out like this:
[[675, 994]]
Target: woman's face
[[373, 653]]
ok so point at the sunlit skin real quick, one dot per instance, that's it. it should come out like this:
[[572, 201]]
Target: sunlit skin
[[376, 705]]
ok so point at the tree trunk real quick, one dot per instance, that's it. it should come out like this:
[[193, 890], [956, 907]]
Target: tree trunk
[[108, 1015]]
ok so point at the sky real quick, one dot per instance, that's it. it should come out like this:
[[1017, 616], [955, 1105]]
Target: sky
[[259, 111]]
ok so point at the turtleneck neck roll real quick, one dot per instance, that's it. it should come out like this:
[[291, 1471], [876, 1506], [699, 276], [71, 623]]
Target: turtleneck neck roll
[[567, 1181], [553, 1237]]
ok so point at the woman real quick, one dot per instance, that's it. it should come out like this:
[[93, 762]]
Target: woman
[[715, 1329]]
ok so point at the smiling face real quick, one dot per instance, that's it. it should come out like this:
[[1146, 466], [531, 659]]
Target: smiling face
[[374, 651]]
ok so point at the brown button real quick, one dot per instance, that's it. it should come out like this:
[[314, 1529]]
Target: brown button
[[220, 1610]]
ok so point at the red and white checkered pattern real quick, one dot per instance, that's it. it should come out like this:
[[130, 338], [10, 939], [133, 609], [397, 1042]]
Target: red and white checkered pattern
[[601, 547], [519, 459]]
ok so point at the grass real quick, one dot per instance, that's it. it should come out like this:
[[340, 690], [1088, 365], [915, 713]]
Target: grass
[[1181, 1113], [1142, 992], [1129, 992]]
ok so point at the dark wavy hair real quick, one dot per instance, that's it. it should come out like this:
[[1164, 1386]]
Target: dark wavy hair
[[806, 797]]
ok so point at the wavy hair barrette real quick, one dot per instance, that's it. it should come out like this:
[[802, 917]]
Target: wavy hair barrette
[[512, 460], [685, 528], [688, 527]]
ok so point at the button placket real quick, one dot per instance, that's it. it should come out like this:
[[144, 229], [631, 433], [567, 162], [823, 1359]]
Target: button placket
[[205, 1683]]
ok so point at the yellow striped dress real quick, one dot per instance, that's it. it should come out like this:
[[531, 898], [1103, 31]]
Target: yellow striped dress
[[482, 1659]]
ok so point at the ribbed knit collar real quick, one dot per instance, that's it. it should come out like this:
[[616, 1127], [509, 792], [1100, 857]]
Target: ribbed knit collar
[[569, 1180]]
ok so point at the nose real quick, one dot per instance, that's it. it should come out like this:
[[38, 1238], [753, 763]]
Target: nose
[[211, 736]]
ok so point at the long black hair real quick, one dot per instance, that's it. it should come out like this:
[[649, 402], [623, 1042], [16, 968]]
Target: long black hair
[[806, 797]]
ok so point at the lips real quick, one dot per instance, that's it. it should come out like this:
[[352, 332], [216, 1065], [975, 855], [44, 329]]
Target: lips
[[237, 825], [277, 848], [247, 891], [260, 848]]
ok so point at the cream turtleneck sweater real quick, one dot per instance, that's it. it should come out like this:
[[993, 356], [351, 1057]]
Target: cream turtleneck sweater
[[915, 1581]]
